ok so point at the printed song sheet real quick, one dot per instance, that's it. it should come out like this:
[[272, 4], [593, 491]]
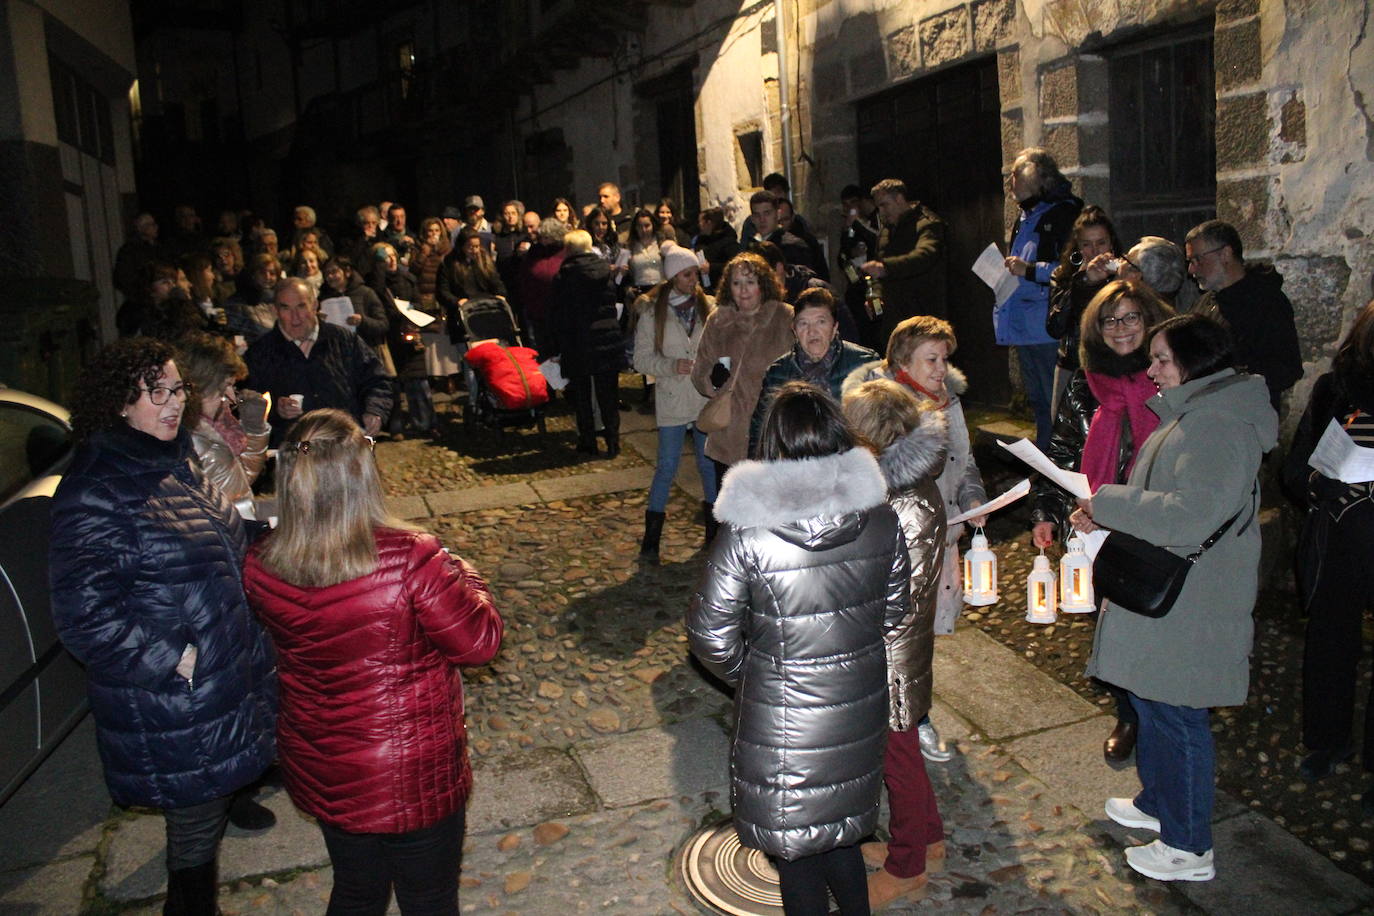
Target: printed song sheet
[[1338, 457], [991, 268], [1006, 499], [417, 317], [1074, 482], [337, 311]]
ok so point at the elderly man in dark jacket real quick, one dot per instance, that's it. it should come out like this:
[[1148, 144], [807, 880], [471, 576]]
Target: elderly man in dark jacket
[[1248, 300], [328, 366], [911, 260]]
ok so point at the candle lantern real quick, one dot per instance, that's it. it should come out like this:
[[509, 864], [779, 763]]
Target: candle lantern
[[980, 572], [1075, 579], [1040, 592]]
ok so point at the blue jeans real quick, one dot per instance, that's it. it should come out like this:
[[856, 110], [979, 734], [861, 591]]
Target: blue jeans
[[1176, 762], [1037, 375], [670, 440]]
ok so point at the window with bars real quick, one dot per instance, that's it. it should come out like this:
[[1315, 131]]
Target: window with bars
[[1163, 134], [82, 113]]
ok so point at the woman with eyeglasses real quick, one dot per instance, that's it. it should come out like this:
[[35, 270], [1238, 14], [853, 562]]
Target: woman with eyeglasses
[[145, 564], [371, 619], [1102, 422]]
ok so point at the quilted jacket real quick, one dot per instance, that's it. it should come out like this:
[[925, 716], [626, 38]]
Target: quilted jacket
[[145, 560], [371, 730], [808, 571], [910, 466]]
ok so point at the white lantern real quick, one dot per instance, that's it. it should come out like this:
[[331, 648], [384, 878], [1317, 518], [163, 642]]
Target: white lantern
[[1040, 592], [980, 572], [1076, 579]]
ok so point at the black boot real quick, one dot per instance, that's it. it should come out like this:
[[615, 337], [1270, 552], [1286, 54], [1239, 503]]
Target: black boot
[[709, 519], [653, 531], [612, 445], [247, 814], [192, 891]]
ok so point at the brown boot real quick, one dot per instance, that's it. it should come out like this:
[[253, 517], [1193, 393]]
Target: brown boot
[[885, 887], [875, 854]]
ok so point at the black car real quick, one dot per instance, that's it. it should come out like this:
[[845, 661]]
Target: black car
[[42, 688]]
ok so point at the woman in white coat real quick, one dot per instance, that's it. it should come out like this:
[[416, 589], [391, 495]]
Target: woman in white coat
[[672, 316]]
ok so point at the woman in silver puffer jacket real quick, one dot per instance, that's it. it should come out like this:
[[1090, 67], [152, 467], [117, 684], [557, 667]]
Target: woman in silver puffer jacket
[[809, 569]]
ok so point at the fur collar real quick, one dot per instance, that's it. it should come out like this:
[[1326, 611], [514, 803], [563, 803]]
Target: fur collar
[[769, 494], [1096, 356], [955, 381], [919, 454]]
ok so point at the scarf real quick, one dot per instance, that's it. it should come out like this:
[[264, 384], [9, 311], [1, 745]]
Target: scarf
[[229, 429], [941, 400], [684, 306], [818, 372], [1121, 400]]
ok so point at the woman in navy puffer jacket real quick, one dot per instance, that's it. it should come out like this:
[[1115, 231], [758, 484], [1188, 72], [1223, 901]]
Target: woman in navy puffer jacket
[[146, 560], [372, 620]]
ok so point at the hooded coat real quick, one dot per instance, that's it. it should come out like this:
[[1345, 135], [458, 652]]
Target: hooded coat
[[145, 560], [807, 572], [910, 466], [1042, 228], [1201, 464], [959, 482]]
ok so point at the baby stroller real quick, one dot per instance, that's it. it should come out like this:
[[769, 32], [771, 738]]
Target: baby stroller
[[505, 387]]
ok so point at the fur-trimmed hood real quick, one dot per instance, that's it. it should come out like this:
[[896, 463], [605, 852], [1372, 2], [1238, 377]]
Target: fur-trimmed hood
[[919, 454], [816, 503], [956, 383]]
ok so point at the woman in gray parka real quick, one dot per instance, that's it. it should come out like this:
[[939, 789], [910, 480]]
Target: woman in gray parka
[[1193, 473], [808, 571]]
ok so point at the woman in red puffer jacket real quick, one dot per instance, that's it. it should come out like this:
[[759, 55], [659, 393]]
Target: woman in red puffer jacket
[[371, 620]]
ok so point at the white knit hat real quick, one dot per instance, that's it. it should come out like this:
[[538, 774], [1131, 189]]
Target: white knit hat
[[676, 259]]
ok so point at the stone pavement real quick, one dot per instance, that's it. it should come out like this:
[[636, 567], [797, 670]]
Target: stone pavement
[[599, 748]]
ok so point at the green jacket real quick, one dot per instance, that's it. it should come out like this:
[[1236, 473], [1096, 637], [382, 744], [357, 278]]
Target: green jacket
[[1201, 471]]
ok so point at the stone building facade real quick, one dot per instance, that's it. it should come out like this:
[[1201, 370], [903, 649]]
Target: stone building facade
[[1164, 111]]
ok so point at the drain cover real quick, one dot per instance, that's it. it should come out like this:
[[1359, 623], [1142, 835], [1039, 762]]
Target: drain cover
[[726, 878]]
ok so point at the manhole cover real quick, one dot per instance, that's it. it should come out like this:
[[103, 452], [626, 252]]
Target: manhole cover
[[726, 878]]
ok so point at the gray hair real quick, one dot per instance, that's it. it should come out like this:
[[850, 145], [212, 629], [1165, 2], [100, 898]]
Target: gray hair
[[1040, 165], [307, 210], [552, 230], [1161, 264], [305, 289]]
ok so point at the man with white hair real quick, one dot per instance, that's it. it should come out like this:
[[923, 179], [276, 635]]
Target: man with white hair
[[303, 218], [306, 364]]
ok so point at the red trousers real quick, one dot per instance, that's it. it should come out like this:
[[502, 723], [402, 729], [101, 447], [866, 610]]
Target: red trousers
[[915, 822]]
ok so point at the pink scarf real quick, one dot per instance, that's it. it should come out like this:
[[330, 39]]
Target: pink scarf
[[1120, 397], [229, 429]]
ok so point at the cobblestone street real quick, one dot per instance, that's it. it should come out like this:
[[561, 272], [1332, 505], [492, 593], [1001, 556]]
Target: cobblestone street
[[599, 748]]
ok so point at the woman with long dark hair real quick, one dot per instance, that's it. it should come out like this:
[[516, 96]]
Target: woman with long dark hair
[[1333, 551], [808, 571], [371, 619], [1084, 268]]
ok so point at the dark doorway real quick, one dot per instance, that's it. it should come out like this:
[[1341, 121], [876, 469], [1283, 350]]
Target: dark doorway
[[673, 100], [942, 136]]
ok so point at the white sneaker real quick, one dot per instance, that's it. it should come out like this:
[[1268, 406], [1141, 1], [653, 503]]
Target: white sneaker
[[932, 748], [1125, 813], [1165, 863]]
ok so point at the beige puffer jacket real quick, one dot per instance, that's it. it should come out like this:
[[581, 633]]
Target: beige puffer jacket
[[910, 465], [231, 474]]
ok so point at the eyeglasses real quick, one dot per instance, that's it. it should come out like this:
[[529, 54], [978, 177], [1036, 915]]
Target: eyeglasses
[[305, 446], [1129, 320], [160, 395], [1197, 258]]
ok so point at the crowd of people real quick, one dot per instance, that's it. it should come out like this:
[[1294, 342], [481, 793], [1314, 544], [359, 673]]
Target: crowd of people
[[829, 434]]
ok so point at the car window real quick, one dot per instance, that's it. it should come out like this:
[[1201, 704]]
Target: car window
[[31, 444]]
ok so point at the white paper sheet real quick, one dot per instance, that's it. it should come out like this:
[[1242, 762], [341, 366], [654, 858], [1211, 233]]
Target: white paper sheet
[[991, 268], [1092, 542], [417, 317], [992, 505], [1338, 457], [337, 310], [1074, 482], [553, 374]]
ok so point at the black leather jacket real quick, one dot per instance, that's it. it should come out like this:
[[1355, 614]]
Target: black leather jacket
[[1076, 410], [1070, 293]]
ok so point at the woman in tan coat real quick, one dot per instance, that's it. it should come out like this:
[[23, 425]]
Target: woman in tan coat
[[911, 439], [750, 328]]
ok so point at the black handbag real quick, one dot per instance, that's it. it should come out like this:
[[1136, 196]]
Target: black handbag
[[1142, 577]]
